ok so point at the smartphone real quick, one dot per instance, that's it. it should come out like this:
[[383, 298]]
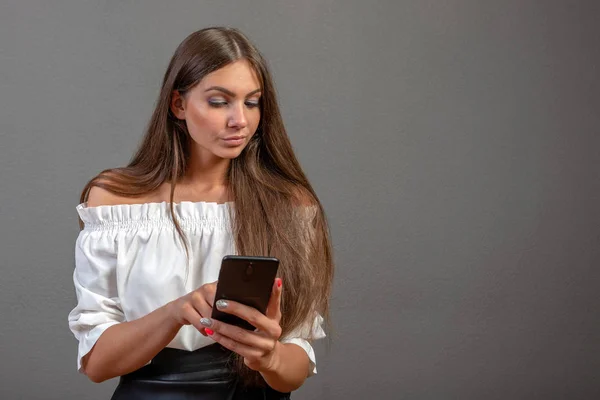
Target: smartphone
[[246, 280]]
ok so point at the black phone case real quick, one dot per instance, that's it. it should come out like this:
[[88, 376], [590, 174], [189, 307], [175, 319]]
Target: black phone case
[[246, 280]]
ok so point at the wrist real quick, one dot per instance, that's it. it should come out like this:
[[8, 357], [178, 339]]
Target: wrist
[[274, 359], [287, 370], [171, 315]]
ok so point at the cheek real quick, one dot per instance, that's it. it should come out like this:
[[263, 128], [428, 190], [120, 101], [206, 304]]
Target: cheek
[[205, 122], [254, 120]]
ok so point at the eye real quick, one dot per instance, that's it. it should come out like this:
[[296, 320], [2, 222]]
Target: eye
[[217, 102], [252, 104]]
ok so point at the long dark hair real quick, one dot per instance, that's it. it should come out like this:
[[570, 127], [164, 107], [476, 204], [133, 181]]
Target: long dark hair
[[276, 211]]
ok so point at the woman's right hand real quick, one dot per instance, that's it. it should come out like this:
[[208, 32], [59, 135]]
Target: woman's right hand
[[189, 309]]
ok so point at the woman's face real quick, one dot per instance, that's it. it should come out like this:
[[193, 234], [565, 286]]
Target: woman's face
[[222, 111]]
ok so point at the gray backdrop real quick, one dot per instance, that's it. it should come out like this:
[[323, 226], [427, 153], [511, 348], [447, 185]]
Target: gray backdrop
[[455, 146]]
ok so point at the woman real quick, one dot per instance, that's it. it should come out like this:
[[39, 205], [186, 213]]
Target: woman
[[215, 174]]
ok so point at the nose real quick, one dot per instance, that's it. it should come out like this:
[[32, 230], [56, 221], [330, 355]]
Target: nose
[[237, 118]]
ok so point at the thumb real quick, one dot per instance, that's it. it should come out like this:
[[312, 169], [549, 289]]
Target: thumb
[[274, 306]]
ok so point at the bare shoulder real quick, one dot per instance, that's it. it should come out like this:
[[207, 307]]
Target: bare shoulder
[[99, 196]]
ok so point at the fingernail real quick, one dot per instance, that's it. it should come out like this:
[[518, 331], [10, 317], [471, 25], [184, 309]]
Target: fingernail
[[209, 332], [206, 321], [222, 304], [278, 282]]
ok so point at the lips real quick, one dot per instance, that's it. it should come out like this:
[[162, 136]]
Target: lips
[[237, 137], [234, 141]]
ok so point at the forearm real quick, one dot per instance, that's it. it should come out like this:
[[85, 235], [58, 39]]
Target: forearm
[[289, 370], [128, 346]]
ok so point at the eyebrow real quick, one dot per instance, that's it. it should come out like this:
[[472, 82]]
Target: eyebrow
[[229, 92]]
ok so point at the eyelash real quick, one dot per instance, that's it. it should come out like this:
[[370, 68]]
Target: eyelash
[[219, 104]]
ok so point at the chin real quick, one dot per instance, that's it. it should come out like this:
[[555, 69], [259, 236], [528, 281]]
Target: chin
[[230, 154]]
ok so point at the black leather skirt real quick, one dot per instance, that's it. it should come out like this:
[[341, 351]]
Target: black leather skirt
[[204, 374]]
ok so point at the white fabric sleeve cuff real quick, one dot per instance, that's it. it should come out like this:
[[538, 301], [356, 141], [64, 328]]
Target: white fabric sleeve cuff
[[301, 337], [98, 305], [88, 340]]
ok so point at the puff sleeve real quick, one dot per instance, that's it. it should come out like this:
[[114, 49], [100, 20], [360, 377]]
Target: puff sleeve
[[98, 305]]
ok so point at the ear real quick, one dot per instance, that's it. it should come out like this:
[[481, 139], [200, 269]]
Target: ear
[[178, 105]]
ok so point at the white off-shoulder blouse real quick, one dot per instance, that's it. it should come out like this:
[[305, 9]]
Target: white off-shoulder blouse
[[129, 261]]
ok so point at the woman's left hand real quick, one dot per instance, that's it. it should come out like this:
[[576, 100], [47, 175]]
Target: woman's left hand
[[259, 348]]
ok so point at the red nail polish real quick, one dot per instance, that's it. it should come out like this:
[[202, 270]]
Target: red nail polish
[[209, 332], [278, 282]]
